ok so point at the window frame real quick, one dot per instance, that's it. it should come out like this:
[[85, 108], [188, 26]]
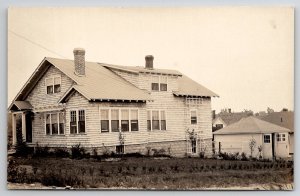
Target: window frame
[[191, 120], [53, 84], [281, 137], [159, 83], [267, 141], [58, 113], [159, 120], [77, 121], [129, 109]]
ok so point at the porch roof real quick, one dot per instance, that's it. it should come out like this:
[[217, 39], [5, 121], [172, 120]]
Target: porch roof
[[22, 105]]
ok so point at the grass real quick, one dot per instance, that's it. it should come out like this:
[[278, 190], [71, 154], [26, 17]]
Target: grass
[[147, 173]]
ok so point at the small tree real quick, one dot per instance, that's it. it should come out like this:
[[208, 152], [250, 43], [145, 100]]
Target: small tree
[[252, 144]]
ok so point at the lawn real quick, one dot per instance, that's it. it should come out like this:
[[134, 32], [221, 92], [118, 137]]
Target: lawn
[[147, 172]]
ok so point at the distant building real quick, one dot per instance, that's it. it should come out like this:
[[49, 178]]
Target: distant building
[[272, 139], [227, 117], [284, 119]]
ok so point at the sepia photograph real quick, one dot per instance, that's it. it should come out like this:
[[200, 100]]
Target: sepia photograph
[[150, 98]]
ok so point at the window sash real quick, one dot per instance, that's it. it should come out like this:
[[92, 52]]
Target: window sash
[[134, 125], [53, 84], [267, 139], [115, 125], [104, 125], [77, 121], [55, 123], [155, 86], [124, 125], [163, 87]]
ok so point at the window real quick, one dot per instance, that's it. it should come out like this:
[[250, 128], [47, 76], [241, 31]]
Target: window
[[53, 84], [81, 121], [267, 139], [104, 120], [163, 83], [115, 120], [194, 146], [125, 120], [280, 137], [155, 83], [163, 120], [156, 120], [134, 120], [55, 124], [120, 149], [77, 125], [149, 120], [219, 126], [194, 117], [73, 122], [159, 83]]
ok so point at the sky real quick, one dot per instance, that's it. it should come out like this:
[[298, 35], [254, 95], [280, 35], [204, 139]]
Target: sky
[[244, 54]]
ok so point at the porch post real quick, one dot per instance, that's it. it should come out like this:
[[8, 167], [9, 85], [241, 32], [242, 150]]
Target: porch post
[[24, 126], [14, 132]]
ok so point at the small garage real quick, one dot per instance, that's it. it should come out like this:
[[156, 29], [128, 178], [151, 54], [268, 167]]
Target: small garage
[[268, 140]]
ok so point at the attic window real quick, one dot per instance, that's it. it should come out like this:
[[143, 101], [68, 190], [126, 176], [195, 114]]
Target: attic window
[[159, 83], [53, 84]]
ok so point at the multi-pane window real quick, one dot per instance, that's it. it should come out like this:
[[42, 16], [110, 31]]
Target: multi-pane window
[[73, 122], [193, 117], [163, 83], [156, 120], [267, 139], [159, 83], [280, 137], [53, 84], [162, 120], [149, 120], [55, 123], [155, 83], [77, 121], [134, 120], [125, 120], [81, 121], [104, 120], [115, 120]]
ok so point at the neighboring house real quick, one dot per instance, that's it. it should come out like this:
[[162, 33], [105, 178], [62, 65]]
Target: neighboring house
[[226, 118], [273, 139], [120, 108], [283, 119]]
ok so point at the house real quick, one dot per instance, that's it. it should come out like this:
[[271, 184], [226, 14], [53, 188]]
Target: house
[[272, 139], [283, 119], [227, 117], [120, 108]]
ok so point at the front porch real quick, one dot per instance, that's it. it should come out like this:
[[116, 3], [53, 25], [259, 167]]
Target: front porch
[[21, 116]]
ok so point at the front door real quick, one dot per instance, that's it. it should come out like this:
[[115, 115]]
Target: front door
[[267, 146], [28, 127]]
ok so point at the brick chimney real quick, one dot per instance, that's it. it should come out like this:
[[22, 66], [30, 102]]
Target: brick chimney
[[149, 61], [79, 61]]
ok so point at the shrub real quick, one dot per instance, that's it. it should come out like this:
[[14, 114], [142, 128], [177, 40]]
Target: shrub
[[244, 157], [21, 147], [41, 151], [61, 152], [78, 152]]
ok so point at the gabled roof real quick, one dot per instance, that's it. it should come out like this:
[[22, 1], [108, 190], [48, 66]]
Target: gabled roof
[[229, 118], [250, 125], [283, 119], [99, 82], [188, 87], [22, 105], [140, 69]]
